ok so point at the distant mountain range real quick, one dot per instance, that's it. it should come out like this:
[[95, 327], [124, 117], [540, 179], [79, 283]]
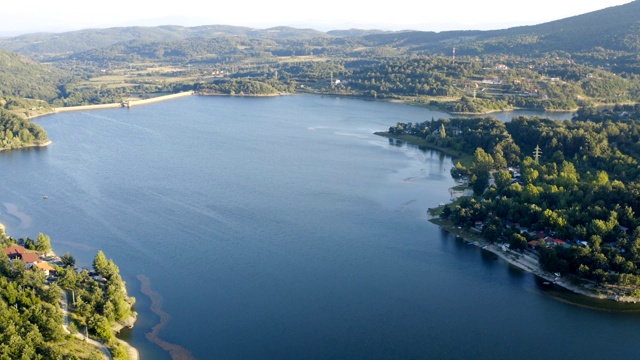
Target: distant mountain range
[[615, 28]]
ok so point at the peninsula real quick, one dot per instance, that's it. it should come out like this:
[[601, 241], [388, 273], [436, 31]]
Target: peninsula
[[566, 212]]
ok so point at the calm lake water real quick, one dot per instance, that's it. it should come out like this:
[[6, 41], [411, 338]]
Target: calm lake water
[[282, 228]]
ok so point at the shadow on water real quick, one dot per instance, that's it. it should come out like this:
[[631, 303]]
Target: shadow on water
[[488, 258], [22, 151]]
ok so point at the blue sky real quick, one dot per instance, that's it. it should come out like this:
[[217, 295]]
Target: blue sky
[[46, 15]]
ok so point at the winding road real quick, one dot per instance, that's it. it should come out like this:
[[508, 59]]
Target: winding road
[[65, 326]]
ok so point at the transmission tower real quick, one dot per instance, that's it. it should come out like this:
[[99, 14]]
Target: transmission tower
[[537, 152]]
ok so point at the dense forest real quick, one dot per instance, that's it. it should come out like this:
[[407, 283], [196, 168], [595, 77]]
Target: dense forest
[[22, 77], [577, 181]]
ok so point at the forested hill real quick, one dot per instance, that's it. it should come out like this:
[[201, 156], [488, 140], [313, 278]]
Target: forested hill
[[615, 29], [24, 78], [48, 45]]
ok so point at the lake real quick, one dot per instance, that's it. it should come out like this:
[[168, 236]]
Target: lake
[[282, 228]]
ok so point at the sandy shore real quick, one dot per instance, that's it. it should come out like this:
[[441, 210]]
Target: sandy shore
[[529, 262]]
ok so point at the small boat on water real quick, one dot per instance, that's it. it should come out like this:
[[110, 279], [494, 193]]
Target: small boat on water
[[45, 197]]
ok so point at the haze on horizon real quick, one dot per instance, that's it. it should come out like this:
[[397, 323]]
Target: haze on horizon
[[30, 16]]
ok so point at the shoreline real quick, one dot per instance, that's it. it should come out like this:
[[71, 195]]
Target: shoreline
[[129, 322], [530, 264], [131, 103], [455, 155], [238, 95], [32, 145], [125, 104]]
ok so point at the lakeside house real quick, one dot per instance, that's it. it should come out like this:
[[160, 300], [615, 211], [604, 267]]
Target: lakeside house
[[15, 252], [30, 259], [45, 267]]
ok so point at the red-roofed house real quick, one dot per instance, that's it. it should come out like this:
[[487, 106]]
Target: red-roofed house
[[30, 259], [14, 251]]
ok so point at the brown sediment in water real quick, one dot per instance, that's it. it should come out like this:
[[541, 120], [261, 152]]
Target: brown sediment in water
[[177, 352]]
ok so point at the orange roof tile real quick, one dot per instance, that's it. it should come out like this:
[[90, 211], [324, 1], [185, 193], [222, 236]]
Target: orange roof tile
[[44, 266]]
